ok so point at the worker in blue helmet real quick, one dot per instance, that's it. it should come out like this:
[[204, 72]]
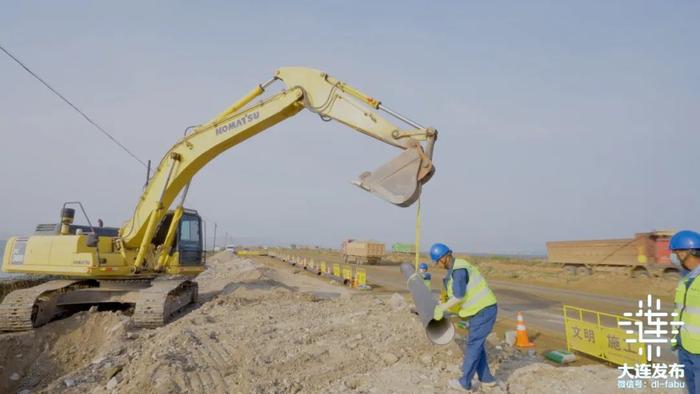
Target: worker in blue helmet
[[423, 272], [469, 297], [685, 254]]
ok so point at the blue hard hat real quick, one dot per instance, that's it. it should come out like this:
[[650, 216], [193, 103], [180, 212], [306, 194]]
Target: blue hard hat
[[438, 251], [685, 239], [423, 266]]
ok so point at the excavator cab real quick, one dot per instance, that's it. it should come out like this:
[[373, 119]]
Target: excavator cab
[[189, 242], [189, 239]]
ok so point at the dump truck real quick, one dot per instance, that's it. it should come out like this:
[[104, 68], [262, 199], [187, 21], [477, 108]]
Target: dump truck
[[403, 248], [362, 252], [644, 255]]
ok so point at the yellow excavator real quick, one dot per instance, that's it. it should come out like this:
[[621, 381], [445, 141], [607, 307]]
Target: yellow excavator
[[148, 262]]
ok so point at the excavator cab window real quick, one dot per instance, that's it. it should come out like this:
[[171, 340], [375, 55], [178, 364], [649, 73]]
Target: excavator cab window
[[189, 239]]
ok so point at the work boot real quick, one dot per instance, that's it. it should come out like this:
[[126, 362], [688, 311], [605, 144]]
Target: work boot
[[454, 384], [490, 384]]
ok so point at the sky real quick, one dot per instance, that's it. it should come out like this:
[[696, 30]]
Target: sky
[[556, 120]]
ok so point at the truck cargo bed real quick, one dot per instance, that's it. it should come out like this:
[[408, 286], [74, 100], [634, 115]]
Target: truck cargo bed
[[628, 251]]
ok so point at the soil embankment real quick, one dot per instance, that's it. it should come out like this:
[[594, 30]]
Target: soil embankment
[[266, 329]]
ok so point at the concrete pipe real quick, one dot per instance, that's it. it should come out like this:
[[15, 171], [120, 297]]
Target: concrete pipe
[[440, 332]]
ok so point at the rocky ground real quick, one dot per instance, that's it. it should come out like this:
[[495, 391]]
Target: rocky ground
[[264, 329]]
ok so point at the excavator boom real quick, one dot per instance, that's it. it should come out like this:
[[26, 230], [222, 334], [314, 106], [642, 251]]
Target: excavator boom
[[399, 181]]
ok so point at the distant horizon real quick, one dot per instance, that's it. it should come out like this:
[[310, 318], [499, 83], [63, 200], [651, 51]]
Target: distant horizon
[[533, 254], [556, 121]]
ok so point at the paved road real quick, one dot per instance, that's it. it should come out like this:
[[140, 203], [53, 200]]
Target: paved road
[[541, 306]]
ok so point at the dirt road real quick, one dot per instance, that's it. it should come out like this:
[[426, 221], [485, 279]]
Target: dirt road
[[536, 288], [541, 305]]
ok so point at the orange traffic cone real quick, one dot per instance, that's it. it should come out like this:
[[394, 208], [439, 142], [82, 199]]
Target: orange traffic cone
[[521, 339]]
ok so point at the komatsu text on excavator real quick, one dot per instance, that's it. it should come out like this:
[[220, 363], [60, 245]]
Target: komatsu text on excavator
[[149, 261]]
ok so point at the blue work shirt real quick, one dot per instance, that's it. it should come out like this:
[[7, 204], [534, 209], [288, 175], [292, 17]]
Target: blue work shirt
[[460, 278], [692, 274]]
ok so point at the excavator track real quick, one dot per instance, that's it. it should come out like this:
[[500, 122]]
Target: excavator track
[[26, 309], [157, 304]]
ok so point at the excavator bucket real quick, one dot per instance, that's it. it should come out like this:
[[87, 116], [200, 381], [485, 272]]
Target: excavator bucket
[[400, 180]]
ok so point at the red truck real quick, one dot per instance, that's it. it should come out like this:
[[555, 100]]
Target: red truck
[[646, 254]]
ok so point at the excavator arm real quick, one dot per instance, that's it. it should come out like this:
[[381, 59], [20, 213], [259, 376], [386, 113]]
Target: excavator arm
[[399, 181]]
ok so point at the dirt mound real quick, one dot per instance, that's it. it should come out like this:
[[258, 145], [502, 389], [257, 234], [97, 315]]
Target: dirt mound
[[36, 358]]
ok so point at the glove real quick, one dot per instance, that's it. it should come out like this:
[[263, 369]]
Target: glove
[[443, 295], [439, 312], [440, 309]]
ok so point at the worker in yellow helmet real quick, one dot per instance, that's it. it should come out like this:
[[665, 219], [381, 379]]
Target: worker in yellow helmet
[[469, 297], [685, 254]]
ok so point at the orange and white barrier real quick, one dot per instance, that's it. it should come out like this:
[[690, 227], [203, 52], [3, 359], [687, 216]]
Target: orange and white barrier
[[521, 338]]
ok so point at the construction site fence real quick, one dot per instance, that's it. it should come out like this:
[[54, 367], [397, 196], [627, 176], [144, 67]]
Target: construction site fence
[[346, 274], [599, 334]]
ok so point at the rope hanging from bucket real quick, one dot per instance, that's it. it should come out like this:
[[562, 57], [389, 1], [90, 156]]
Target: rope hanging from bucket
[[417, 246]]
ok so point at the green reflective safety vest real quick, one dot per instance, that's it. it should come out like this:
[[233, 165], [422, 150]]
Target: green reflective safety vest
[[478, 295], [687, 302]]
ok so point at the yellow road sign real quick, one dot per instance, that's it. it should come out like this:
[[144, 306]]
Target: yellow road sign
[[360, 277], [336, 269], [598, 334], [347, 274]]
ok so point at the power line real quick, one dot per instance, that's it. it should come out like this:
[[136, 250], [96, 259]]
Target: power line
[[107, 134]]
